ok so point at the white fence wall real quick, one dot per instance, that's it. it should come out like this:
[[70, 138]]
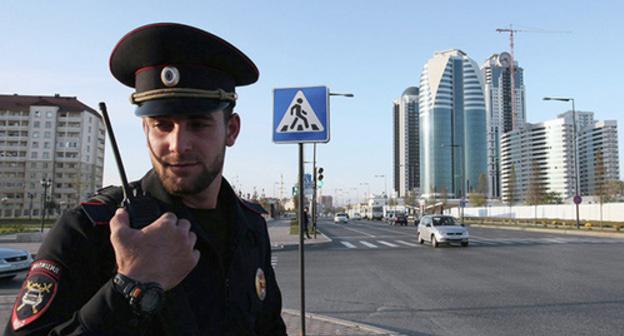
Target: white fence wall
[[610, 211]]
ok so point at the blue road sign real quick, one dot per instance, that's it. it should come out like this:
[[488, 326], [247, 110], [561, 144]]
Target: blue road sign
[[301, 115]]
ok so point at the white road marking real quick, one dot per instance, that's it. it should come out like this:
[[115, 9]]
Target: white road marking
[[360, 232], [387, 243], [406, 243], [368, 244], [347, 244]]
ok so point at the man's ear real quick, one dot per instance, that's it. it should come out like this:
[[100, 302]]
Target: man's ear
[[233, 126], [144, 124]]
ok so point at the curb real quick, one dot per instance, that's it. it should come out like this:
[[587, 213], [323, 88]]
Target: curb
[[559, 231], [281, 246], [345, 323]]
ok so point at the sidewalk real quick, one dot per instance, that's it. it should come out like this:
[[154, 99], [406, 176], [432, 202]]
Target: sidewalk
[[279, 233], [317, 325]]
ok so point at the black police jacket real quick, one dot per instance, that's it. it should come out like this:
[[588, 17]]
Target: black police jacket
[[69, 290]]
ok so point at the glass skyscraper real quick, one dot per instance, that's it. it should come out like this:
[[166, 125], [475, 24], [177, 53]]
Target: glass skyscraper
[[453, 146], [406, 157]]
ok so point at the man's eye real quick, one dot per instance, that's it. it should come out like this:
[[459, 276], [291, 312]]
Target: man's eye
[[199, 125], [162, 126]]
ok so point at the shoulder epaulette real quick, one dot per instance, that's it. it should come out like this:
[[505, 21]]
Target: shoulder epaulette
[[101, 207]]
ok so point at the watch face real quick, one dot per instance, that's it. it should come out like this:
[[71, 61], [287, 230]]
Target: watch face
[[150, 300]]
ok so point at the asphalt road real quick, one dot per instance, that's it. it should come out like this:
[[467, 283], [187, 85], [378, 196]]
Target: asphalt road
[[505, 283]]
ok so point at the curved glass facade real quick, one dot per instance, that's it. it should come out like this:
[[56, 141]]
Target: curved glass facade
[[452, 125]]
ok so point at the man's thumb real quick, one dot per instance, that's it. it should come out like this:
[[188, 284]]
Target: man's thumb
[[119, 220]]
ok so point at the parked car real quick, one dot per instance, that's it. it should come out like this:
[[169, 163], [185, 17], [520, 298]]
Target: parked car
[[341, 218], [13, 262], [356, 215], [441, 229], [399, 219]]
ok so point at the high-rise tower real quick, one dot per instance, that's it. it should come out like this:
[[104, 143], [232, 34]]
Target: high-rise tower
[[499, 110], [406, 147], [453, 147]]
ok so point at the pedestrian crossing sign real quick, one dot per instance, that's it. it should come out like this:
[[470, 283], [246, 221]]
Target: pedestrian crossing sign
[[301, 115]]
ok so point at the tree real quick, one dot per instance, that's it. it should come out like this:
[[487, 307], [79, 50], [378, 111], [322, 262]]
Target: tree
[[510, 193], [536, 191], [479, 198]]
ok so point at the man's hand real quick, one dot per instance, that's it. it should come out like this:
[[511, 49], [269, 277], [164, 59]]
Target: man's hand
[[162, 252]]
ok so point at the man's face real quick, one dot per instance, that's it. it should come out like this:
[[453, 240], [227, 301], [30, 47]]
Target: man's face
[[188, 152]]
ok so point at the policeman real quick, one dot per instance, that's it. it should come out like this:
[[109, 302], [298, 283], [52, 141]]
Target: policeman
[[204, 266]]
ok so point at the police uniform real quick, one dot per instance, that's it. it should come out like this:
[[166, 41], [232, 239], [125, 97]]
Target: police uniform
[[71, 288]]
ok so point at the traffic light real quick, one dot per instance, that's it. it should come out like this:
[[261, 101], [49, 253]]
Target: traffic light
[[319, 177]]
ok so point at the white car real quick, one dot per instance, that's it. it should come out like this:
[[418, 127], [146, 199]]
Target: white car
[[441, 229], [341, 218], [356, 216], [13, 261]]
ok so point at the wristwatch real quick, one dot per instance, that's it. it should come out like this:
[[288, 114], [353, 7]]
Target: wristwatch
[[144, 298]]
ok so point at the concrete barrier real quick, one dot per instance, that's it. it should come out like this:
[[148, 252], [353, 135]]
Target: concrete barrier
[[30, 237]]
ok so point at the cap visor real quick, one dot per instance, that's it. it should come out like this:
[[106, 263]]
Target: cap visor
[[179, 107]]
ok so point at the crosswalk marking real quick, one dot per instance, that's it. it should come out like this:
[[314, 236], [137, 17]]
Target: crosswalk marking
[[387, 244], [368, 244], [347, 244], [406, 243], [274, 261], [481, 241]]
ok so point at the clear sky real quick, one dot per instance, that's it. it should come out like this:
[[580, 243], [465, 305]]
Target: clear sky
[[372, 49]]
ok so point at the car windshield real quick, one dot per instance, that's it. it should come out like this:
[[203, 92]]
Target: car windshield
[[443, 221]]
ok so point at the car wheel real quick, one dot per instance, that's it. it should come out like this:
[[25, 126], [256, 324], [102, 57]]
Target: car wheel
[[420, 240], [464, 244], [434, 241]]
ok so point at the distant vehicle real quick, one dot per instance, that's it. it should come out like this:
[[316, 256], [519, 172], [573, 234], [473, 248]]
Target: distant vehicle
[[413, 220], [377, 212], [13, 262], [441, 229], [356, 215], [399, 218], [341, 218]]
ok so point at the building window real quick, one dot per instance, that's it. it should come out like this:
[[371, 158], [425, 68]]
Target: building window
[[47, 135], [46, 155], [37, 114], [35, 135], [36, 124], [45, 164], [49, 114], [48, 124], [35, 144], [33, 155]]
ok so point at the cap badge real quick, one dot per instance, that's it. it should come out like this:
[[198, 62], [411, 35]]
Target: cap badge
[[260, 284], [170, 76]]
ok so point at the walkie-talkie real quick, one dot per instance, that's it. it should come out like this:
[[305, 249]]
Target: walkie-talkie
[[142, 209]]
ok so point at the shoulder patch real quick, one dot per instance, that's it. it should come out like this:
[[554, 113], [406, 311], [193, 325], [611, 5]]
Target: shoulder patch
[[36, 294]]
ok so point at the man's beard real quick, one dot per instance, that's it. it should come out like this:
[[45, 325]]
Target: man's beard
[[191, 185]]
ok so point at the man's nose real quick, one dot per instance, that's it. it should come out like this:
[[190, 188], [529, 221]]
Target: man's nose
[[180, 140]]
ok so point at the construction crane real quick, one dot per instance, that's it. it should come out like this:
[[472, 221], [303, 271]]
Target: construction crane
[[512, 65]]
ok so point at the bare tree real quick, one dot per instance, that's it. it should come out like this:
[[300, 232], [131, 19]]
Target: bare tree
[[536, 191]]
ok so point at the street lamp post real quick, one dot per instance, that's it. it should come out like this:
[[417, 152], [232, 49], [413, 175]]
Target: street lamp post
[[385, 183], [367, 190], [31, 196], [464, 187], [575, 156], [45, 184], [5, 201]]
